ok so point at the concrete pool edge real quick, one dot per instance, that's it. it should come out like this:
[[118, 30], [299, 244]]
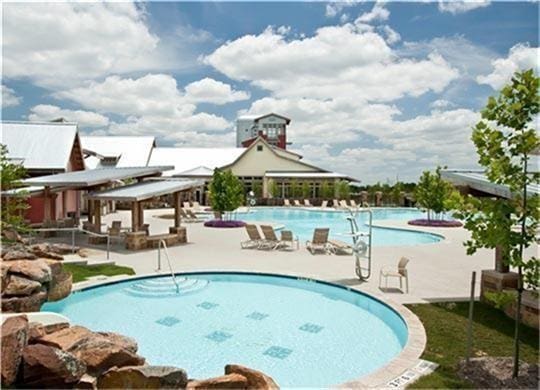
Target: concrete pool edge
[[407, 359]]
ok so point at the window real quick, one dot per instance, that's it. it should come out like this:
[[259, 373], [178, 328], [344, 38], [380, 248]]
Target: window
[[259, 148]]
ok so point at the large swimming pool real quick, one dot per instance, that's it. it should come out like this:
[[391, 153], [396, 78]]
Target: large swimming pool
[[303, 333], [303, 221]]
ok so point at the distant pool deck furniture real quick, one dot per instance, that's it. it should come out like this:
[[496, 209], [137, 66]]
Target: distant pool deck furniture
[[307, 203], [286, 202], [340, 247], [297, 203], [288, 238], [324, 204], [255, 239], [271, 241], [319, 242], [353, 203], [400, 273]]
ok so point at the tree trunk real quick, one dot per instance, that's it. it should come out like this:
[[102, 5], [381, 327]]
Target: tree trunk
[[515, 370]]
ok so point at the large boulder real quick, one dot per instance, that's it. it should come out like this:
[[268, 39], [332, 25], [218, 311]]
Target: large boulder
[[20, 286], [63, 249], [143, 377], [48, 367], [44, 250], [18, 254], [24, 304], [14, 339], [37, 270], [230, 381], [37, 330], [125, 342], [87, 382], [11, 235], [66, 338], [256, 379], [60, 286]]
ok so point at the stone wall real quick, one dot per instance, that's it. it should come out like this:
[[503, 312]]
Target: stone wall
[[140, 240]]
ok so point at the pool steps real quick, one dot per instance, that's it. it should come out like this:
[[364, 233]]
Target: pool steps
[[165, 287]]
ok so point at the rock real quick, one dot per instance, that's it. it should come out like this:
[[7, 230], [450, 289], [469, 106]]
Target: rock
[[44, 250], [65, 339], [11, 235], [125, 342], [17, 254], [37, 270], [49, 367], [4, 274], [100, 354], [256, 379], [17, 285], [14, 339], [87, 382], [230, 381], [63, 249], [37, 330], [60, 287], [24, 304], [143, 377]]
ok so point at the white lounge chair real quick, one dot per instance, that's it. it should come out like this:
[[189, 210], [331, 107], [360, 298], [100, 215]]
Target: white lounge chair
[[319, 241], [255, 239], [324, 204], [286, 203], [288, 239], [297, 203], [400, 273], [307, 203]]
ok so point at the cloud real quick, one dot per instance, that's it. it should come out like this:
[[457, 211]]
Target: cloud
[[520, 57], [458, 7], [391, 35], [441, 104], [377, 14], [9, 98], [46, 113], [209, 90], [335, 7], [329, 64], [60, 44]]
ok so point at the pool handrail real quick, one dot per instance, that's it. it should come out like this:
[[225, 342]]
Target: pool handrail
[[163, 244]]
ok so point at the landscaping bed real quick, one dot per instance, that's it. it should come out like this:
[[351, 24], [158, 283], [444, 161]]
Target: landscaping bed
[[83, 272], [218, 223], [446, 329], [435, 223]]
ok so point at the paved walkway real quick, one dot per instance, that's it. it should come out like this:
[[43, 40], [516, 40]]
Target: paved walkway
[[438, 271]]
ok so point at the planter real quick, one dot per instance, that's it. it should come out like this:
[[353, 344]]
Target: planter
[[218, 223], [435, 223]]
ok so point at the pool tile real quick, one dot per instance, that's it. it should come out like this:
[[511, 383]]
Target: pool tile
[[207, 305], [277, 352], [257, 316], [219, 336], [311, 328], [168, 321]]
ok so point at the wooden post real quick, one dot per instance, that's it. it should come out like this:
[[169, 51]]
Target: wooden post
[[97, 215], [90, 203], [135, 224], [47, 204], [471, 311], [141, 214]]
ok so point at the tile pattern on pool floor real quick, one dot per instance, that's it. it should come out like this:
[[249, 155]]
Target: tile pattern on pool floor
[[278, 352], [207, 305], [168, 321], [219, 336], [311, 328], [257, 316]]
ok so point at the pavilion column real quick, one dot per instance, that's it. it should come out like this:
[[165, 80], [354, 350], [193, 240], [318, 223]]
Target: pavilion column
[[90, 205], [97, 215], [47, 206], [135, 215], [141, 214], [265, 187], [177, 206], [336, 181]]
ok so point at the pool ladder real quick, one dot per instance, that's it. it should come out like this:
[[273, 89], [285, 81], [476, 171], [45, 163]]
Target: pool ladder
[[361, 249], [162, 244]]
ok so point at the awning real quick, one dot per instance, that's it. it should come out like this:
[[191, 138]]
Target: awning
[[145, 190]]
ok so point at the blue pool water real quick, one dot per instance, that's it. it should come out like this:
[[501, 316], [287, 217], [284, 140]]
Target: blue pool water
[[301, 332], [303, 221]]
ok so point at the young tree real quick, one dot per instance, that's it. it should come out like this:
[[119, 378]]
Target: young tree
[[327, 190], [296, 189], [12, 209], [433, 193], [343, 189], [257, 189], [505, 138], [226, 192], [273, 189], [306, 190]]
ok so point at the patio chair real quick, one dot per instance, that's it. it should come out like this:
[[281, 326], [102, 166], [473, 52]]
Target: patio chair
[[89, 227], [353, 203], [307, 203], [197, 206], [286, 203], [271, 241], [186, 205], [335, 203], [116, 229], [297, 203], [193, 216], [319, 241], [255, 239], [324, 204], [340, 247], [400, 273], [343, 204], [288, 239], [184, 215]]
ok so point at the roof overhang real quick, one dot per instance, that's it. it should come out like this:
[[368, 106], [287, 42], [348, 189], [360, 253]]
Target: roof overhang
[[308, 175]]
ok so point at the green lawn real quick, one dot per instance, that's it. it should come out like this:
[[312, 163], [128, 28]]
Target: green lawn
[[446, 328], [82, 272]]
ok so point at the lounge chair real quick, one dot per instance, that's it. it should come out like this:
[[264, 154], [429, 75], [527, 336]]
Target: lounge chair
[[286, 203], [287, 238], [270, 239], [184, 215], [319, 241], [192, 215], [186, 205], [297, 203], [307, 203], [400, 273], [335, 203], [115, 229], [340, 247], [353, 203], [197, 206], [324, 204], [255, 239], [343, 204]]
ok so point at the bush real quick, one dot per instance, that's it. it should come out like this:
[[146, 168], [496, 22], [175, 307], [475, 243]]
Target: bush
[[219, 223]]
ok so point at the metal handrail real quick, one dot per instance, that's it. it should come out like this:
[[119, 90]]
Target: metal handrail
[[163, 244], [77, 229], [355, 233]]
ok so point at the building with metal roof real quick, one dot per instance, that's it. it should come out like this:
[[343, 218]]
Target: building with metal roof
[[117, 151]]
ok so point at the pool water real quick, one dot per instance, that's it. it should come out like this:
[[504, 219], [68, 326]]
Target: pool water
[[303, 221], [301, 332]]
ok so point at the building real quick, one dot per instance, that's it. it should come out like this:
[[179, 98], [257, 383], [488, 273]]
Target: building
[[117, 151], [272, 127]]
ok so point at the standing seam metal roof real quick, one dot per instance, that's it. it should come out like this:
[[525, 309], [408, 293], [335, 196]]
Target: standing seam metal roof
[[145, 190]]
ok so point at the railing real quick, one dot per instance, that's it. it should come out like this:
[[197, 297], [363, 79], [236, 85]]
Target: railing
[[75, 230], [361, 249], [162, 243]]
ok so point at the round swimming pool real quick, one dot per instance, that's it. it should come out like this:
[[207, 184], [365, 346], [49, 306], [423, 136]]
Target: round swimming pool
[[303, 221], [301, 332]]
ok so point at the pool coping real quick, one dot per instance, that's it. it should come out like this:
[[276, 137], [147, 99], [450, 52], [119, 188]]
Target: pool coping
[[406, 360]]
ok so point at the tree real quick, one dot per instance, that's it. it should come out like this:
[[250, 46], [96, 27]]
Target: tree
[[434, 194], [343, 189], [273, 189], [296, 189], [505, 139], [327, 190], [306, 190], [12, 209], [396, 191], [256, 187], [226, 192]]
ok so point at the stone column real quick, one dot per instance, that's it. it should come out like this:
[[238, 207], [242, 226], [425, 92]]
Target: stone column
[[141, 214], [47, 206], [135, 222], [177, 206], [265, 187], [97, 215]]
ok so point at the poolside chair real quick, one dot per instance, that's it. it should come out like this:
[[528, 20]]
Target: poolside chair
[[197, 206], [286, 203], [255, 239], [184, 215], [335, 203], [340, 247], [353, 203], [115, 229], [343, 204], [307, 203], [400, 273], [186, 205], [270, 239], [288, 239], [193, 216], [324, 204], [297, 203], [319, 241]]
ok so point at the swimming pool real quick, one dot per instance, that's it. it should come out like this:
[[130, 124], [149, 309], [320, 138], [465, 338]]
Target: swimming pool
[[301, 332], [303, 221]]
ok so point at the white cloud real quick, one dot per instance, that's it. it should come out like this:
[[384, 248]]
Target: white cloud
[[377, 14], [335, 7], [441, 104], [329, 64], [9, 98], [209, 90], [46, 112], [520, 57], [458, 7], [391, 35], [59, 44]]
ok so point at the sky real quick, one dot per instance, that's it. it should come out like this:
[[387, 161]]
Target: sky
[[379, 91]]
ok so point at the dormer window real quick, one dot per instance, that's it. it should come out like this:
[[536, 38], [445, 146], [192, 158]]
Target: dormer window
[[259, 148]]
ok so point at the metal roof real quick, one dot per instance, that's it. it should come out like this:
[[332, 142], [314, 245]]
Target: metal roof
[[199, 171], [39, 145], [477, 180], [308, 175], [131, 151], [145, 190], [94, 177], [23, 191]]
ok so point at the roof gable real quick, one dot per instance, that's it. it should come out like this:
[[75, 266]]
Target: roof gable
[[118, 151]]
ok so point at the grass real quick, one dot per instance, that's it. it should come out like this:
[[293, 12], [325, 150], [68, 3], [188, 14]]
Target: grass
[[446, 328], [83, 272]]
